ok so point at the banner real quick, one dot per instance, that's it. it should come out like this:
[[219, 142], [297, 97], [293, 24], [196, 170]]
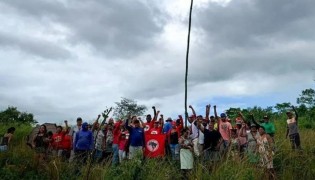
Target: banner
[[154, 145]]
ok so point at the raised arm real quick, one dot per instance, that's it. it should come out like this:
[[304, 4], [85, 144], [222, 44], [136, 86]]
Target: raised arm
[[181, 122], [162, 121], [117, 127], [127, 125], [67, 127], [242, 116], [253, 120], [215, 112], [155, 117], [296, 114], [96, 122], [142, 123], [200, 126], [193, 111], [208, 111], [154, 111]]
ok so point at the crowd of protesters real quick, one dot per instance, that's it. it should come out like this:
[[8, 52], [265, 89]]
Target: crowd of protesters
[[208, 139]]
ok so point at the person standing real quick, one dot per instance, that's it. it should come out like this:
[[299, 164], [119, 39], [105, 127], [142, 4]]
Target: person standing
[[137, 143], [83, 143], [194, 131], [115, 146], [75, 129], [173, 136], [99, 140], [40, 144], [269, 126], [293, 129], [57, 139], [253, 135], [186, 152], [212, 142], [225, 128], [6, 139], [265, 150]]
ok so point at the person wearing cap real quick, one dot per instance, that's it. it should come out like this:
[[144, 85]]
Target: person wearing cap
[[293, 129], [225, 128], [167, 125], [137, 143], [252, 137], [269, 126]]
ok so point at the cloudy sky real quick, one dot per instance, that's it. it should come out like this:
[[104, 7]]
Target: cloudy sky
[[61, 59]]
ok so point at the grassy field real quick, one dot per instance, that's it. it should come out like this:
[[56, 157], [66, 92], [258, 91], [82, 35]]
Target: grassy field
[[18, 163]]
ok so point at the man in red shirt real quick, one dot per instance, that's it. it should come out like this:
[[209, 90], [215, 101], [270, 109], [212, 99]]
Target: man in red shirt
[[57, 139], [150, 122], [157, 127], [116, 134]]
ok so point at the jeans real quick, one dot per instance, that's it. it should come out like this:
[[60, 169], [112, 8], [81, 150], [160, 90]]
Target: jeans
[[115, 154], [175, 151], [98, 156], [122, 155], [135, 152]]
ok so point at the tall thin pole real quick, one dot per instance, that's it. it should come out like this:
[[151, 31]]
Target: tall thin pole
[[187, 55]]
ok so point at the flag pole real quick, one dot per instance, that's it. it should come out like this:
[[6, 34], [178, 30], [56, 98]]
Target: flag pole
[[187, 55]]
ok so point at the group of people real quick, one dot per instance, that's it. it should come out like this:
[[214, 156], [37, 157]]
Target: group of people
[[208, 139]]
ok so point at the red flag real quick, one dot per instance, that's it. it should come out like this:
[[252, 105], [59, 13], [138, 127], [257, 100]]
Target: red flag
[[154, 145]]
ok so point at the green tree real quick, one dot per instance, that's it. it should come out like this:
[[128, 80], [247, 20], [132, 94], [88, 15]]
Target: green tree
[[307, 97], [232, 113], [128, 106], [13, 115], [302, 110], [283, 107]]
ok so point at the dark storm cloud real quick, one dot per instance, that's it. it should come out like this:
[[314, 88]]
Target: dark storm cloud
[[114, 28], [253, 37], [252, 24]]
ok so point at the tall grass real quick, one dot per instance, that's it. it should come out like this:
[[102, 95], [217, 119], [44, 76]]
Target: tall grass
[[18, 163]]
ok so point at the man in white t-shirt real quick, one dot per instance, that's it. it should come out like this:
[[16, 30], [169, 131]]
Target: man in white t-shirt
[[73, 131]]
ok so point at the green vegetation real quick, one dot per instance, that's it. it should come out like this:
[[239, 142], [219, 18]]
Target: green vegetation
[[18, 163]]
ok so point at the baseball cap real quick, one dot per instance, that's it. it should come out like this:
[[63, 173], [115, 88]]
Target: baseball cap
[[223, 115]]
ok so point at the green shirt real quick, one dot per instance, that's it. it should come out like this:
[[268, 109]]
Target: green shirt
[[269, 127]]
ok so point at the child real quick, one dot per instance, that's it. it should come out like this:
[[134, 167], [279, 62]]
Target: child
[[234, 146], [122, 146]]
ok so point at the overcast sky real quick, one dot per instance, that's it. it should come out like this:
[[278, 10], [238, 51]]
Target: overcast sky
[[61, 59]]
